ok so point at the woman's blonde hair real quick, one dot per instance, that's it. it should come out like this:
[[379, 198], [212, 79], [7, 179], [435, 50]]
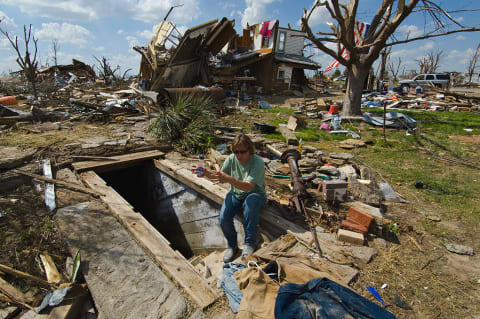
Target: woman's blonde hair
[[243, 140]]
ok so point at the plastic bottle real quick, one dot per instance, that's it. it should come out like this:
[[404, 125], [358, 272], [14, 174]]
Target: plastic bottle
[[201, 166]]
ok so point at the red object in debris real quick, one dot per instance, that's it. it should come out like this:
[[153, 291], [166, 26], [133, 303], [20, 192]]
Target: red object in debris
[[8, 100], [331, 164], [359, 217], [346, 224], [333, 109]]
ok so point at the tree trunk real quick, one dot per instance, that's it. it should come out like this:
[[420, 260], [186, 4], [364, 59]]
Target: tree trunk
[[353, 96]]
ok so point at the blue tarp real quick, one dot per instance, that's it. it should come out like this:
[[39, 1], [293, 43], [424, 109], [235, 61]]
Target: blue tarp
[[323, 298]]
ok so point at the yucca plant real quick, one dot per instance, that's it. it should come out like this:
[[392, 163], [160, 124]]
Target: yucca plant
[[187, 122]]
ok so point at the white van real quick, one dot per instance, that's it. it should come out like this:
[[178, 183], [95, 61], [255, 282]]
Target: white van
[[437, 79]]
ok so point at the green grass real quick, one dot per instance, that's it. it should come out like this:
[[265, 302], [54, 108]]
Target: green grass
[[278, 110], [451, 189]]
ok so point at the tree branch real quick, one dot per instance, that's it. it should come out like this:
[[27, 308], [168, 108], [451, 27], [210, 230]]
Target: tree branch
[[433, 36], [319, 44], [376, 19]]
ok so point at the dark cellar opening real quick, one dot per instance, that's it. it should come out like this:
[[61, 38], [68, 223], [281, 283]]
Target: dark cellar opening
[[137, 186]]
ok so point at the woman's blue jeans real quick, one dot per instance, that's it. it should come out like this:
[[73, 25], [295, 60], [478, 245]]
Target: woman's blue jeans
[[252, 204]]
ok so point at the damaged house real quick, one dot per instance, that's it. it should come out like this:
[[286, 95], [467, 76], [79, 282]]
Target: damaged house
[[173, 60], [266, 56], [271, 55]]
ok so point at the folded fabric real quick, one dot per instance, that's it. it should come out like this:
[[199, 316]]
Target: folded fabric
[[323, 298], [229, 285], [259, 293]]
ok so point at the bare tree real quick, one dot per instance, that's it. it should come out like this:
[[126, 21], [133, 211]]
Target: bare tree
[[385, 56], [472, 63], [430, 62], [362, 52], [27, 63], [108, 74], [55, 48], [394, 68]]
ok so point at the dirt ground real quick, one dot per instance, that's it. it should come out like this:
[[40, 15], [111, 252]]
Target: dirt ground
[[415, 268]]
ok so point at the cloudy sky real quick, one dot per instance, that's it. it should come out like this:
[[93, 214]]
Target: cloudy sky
[[86, 29]]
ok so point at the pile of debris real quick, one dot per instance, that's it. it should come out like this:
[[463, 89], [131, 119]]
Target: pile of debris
[[434, 99]]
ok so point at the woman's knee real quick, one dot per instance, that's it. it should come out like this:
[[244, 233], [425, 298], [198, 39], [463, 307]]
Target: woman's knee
[[255, 200]]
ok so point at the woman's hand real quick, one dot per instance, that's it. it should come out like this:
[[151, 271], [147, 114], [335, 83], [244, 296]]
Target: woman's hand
[[218, 177]]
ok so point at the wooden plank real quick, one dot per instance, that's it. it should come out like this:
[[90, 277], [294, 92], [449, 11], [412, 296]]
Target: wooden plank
[[288, 135], [117, 162], [201, 185], [14, 294], [93, 158], [53, 276], [21, 274], [60, 183], [154, 243]]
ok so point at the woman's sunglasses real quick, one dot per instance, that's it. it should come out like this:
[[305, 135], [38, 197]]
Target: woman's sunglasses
[[240, 152]]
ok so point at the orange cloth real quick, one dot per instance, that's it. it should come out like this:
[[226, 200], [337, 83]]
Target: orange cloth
[[260, 291], [259, 294]]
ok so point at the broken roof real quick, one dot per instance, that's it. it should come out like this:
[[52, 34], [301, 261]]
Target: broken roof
[[297, 59]]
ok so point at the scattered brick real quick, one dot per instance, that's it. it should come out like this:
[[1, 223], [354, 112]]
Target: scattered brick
[[350, 237]]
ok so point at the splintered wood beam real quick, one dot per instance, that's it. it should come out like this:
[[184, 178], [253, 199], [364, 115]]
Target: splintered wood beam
[[15, 295], [154, 244], [53, 276], [21, 274], [117, 162], [60, 183]]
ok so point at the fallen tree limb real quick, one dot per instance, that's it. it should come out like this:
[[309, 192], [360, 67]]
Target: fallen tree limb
[[21, 274], [431, 261], [14, 119], [61, 183], [15, 295]]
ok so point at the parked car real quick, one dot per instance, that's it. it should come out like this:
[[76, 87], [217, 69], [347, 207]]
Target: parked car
[[437, 79], [340, 78]]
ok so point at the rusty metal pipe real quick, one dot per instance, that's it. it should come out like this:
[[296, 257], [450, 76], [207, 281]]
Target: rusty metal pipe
[[291, 157]]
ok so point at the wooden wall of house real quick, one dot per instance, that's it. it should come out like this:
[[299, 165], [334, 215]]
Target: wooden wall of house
[[262, 71], [278, 85], [293, 42], [298, 78]]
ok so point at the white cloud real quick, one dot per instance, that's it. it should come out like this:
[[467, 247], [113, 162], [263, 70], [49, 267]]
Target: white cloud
[[64, 33], [100, 48], [153, 11], [319, 16], [410, 31], [256, 12], [81, 10], [460, 55], [7, 23], [461, 37], [132, 41], [5, 44], [429, 45], [147, 34], [9, 63], [59, 9]]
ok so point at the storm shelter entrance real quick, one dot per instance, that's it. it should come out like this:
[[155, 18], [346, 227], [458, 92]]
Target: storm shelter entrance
[[187, 219]]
